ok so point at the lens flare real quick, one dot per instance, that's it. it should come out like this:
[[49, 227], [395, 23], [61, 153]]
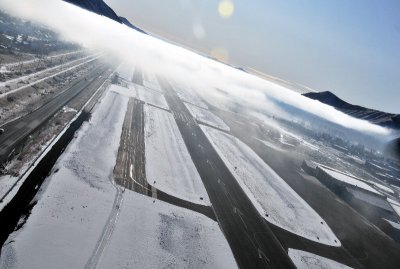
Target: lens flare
[[220, 53], [226, 8]]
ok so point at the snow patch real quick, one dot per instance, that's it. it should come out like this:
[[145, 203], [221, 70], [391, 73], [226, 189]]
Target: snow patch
[[126, 72], [150, 81], [66, 223], [383, 187], [128, 92], [307, 260], [160, 235], [187, 94], [169, 166], [349, 180], [206, 117], [151, 97], [276, 201]]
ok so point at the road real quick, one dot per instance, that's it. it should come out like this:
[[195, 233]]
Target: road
[[18, 130], [250, 238]]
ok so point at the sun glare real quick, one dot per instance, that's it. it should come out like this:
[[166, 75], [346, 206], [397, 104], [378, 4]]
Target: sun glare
[[226, 8]]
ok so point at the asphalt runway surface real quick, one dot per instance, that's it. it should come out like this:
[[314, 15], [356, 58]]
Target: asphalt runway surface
[[363, 244], [17, 131], [252, 242], [129, 170]]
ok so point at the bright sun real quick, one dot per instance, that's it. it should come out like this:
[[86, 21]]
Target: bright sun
[[226, 8]]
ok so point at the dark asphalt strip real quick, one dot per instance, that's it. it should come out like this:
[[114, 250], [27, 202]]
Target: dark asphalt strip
[[252, 242]]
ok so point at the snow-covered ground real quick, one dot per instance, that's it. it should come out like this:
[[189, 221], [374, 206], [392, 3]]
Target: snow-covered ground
[[270, 145], [68, 220], [383, 187], [160, 235], [151, 97], [206, 117], [349, 180], [270, 194], [126, 71], [129, 92], [45, 58], [150, 81], [307, 260], [168, 162], [395, 205], [35, 81], [393, 224], [188, 95], [27, 77], [378, 201], [6, 182]]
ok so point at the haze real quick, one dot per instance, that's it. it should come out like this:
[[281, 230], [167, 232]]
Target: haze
[[347, 47], [95, 32]]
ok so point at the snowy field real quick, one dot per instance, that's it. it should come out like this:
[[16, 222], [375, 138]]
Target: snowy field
[[206, 117], [160, 235], [395, 205], [271, 145], [6, 183], [393, 224], [150, 81], [307, 260], [151, 97], [73, 209], [126, 72], [378, 201], [188, 95], [383, 187], [128, 92], [270, 194], [168, 162], [349, 180]]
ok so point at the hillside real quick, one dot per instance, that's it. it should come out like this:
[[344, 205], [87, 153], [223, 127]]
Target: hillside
[[374, 116], [101, 8]]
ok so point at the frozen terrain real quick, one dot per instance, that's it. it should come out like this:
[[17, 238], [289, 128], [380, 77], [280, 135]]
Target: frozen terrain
[[350, 180], [160, 235], [395, 205], [188, 95], [6, 182], [270, 145], [205, 116], [393, 224], [126, 71], [307, 260], [74, 208], [129, 92], [370, 199], [169, 166], [383, 188], [270, 194], [20, 83], [150, 81], [151, 97]]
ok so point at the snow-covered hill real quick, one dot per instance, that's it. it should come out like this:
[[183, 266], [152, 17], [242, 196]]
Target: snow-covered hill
[[374, 116], [101, 8]]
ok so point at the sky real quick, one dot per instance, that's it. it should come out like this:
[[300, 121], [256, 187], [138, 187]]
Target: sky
[[348, 47], [218, 83]]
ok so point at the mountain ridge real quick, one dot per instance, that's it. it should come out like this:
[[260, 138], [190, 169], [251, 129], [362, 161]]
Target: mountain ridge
[[374, 116], [101, 8]]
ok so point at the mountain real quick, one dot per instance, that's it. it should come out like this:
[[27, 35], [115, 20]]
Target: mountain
[[374, 116], [101, 8], [129, 24]]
